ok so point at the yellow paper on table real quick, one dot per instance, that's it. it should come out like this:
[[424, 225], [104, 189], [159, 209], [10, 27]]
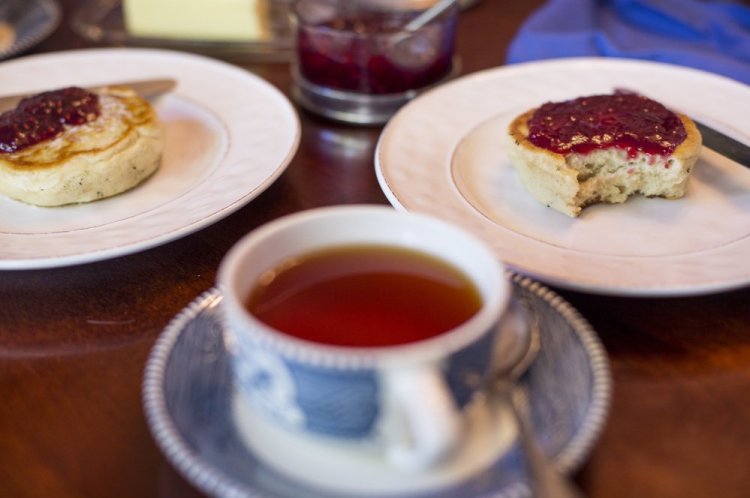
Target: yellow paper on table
[[205, 20]]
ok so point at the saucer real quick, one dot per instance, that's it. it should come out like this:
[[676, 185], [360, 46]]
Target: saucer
[[190, 406], [361, 469], [28, 23]]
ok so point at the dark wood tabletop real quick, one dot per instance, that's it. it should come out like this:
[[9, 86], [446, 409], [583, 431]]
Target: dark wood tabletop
[[74, 340]]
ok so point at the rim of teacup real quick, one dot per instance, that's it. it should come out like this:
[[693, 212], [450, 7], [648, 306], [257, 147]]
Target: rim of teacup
[[495, 300]]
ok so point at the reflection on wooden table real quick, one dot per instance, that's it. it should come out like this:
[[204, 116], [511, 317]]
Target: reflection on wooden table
[[74, 340]]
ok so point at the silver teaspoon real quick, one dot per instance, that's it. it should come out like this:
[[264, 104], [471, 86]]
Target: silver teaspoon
[[428, 15], [546, 481]]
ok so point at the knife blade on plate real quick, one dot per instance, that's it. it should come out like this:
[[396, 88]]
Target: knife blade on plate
[[148, 89], [714, 139], [724, 145]]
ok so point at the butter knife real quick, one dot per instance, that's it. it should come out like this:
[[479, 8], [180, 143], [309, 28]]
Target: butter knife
[[148, 89], [724, 145]]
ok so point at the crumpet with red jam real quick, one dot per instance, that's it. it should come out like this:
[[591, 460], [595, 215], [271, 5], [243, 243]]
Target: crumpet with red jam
[[602, 149], [71, 145]]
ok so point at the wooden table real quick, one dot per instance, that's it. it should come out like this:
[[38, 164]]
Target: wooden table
[[73, 341]]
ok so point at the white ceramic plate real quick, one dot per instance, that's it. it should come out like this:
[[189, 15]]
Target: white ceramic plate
[[229, 135], [443, 154]]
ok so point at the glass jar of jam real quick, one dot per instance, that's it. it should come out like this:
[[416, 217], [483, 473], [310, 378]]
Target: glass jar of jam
[[355, 60]]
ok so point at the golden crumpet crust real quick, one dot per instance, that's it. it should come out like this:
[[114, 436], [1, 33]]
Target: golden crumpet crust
[[118, 150], [570, 182]]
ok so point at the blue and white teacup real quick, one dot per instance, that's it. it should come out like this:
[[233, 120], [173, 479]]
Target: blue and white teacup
[[406, 401]]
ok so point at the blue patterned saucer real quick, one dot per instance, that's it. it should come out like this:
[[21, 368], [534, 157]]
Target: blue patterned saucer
[[188, 392], [27, 23]]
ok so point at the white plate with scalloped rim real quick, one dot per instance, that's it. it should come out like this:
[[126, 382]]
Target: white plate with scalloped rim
[[229, 135], [443, 154]]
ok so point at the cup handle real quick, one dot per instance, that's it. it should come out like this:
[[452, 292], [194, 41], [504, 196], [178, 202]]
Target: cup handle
[[433, 422]]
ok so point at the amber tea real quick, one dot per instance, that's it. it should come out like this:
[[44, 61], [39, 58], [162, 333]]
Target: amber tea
[[364, 296]]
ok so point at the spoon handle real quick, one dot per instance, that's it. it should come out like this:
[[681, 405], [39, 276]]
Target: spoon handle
[[428, 15], [546, 482]]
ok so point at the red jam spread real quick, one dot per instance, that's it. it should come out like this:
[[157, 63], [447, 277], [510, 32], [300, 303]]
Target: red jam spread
[[628, 121], [362, 55], [44, 116]]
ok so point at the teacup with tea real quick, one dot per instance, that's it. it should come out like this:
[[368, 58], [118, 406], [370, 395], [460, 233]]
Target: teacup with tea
[[362, 330]]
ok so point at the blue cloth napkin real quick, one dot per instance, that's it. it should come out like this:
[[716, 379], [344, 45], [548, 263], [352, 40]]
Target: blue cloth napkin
[[712, 35]]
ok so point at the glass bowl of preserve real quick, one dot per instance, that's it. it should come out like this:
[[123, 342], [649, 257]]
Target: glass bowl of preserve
[[358, 61]]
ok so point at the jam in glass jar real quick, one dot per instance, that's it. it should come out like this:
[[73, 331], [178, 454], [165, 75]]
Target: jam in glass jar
[[356, 62]]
